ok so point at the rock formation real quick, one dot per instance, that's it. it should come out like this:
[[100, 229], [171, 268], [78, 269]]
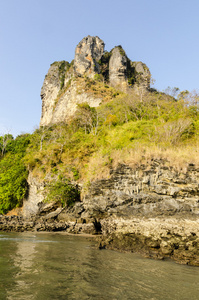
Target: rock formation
[[63, 90], [118, 67], [87, 54], [153, 209], [61, 93], [142, 76], [35, 197]]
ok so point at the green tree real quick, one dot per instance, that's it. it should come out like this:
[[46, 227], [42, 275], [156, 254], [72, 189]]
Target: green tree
[[13, 184], [13, 173], [85, 117], [4, 142]]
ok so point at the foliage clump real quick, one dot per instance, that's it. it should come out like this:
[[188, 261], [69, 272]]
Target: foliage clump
[[63, 191], [13, 173], [63, 68]]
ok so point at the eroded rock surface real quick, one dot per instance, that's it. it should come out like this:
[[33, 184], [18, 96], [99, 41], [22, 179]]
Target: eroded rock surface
[[153, 209], [87, 54], [162, 237], [63, 107], [35, 197], [142, 75], [118, 68]]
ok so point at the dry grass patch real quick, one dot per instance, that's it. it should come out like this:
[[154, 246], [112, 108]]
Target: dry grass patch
[[179, 157], [97, 89], [97, 168]]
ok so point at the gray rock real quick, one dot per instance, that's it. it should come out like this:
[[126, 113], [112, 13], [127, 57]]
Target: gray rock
[[31, 204], [53, 214], [59, 106], [128, 193], [87, 54], [142, 75], [118, 67]]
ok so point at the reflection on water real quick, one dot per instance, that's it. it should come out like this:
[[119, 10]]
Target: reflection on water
[[56, 266]]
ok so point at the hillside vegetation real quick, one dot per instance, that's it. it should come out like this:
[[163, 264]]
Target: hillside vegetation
[[128, 128]]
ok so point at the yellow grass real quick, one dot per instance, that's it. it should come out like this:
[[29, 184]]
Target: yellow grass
[[179, 158]]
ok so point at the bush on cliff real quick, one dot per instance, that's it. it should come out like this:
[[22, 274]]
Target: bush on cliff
[[64, 191], [13, 174]]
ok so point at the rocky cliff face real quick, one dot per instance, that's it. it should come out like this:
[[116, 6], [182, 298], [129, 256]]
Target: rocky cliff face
[[149, 191], [32, 203], [87, 54], [152, 209], [59, 104], [118, 68], [61, 93]]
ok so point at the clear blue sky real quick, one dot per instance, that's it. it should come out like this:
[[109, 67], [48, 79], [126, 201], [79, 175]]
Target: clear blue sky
[[34, 33]]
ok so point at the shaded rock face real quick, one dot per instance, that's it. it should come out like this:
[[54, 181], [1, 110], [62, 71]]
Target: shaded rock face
[[143, 75], [148, 191], [88, 52], [118, 68], [35, 197], [152, 209]]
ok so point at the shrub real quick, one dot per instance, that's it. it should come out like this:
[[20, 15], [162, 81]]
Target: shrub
[[13, 184], [13, 174], [63, 191], [98, 77]]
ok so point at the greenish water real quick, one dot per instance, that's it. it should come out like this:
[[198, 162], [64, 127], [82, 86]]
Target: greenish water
[[56, 266]]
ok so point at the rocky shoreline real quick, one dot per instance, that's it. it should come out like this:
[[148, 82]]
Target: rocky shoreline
[[157, 238], [152, 209], [20, 224]]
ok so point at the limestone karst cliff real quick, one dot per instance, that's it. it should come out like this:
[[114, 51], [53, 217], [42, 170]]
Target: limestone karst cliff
[[63, 88], [132, 161]]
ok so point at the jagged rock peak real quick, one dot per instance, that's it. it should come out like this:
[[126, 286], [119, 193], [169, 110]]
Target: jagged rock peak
[[143, 74], [118, 67], [87, 54], [63, 88]]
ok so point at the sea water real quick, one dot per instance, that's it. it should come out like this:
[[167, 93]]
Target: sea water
[[46, 266]]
